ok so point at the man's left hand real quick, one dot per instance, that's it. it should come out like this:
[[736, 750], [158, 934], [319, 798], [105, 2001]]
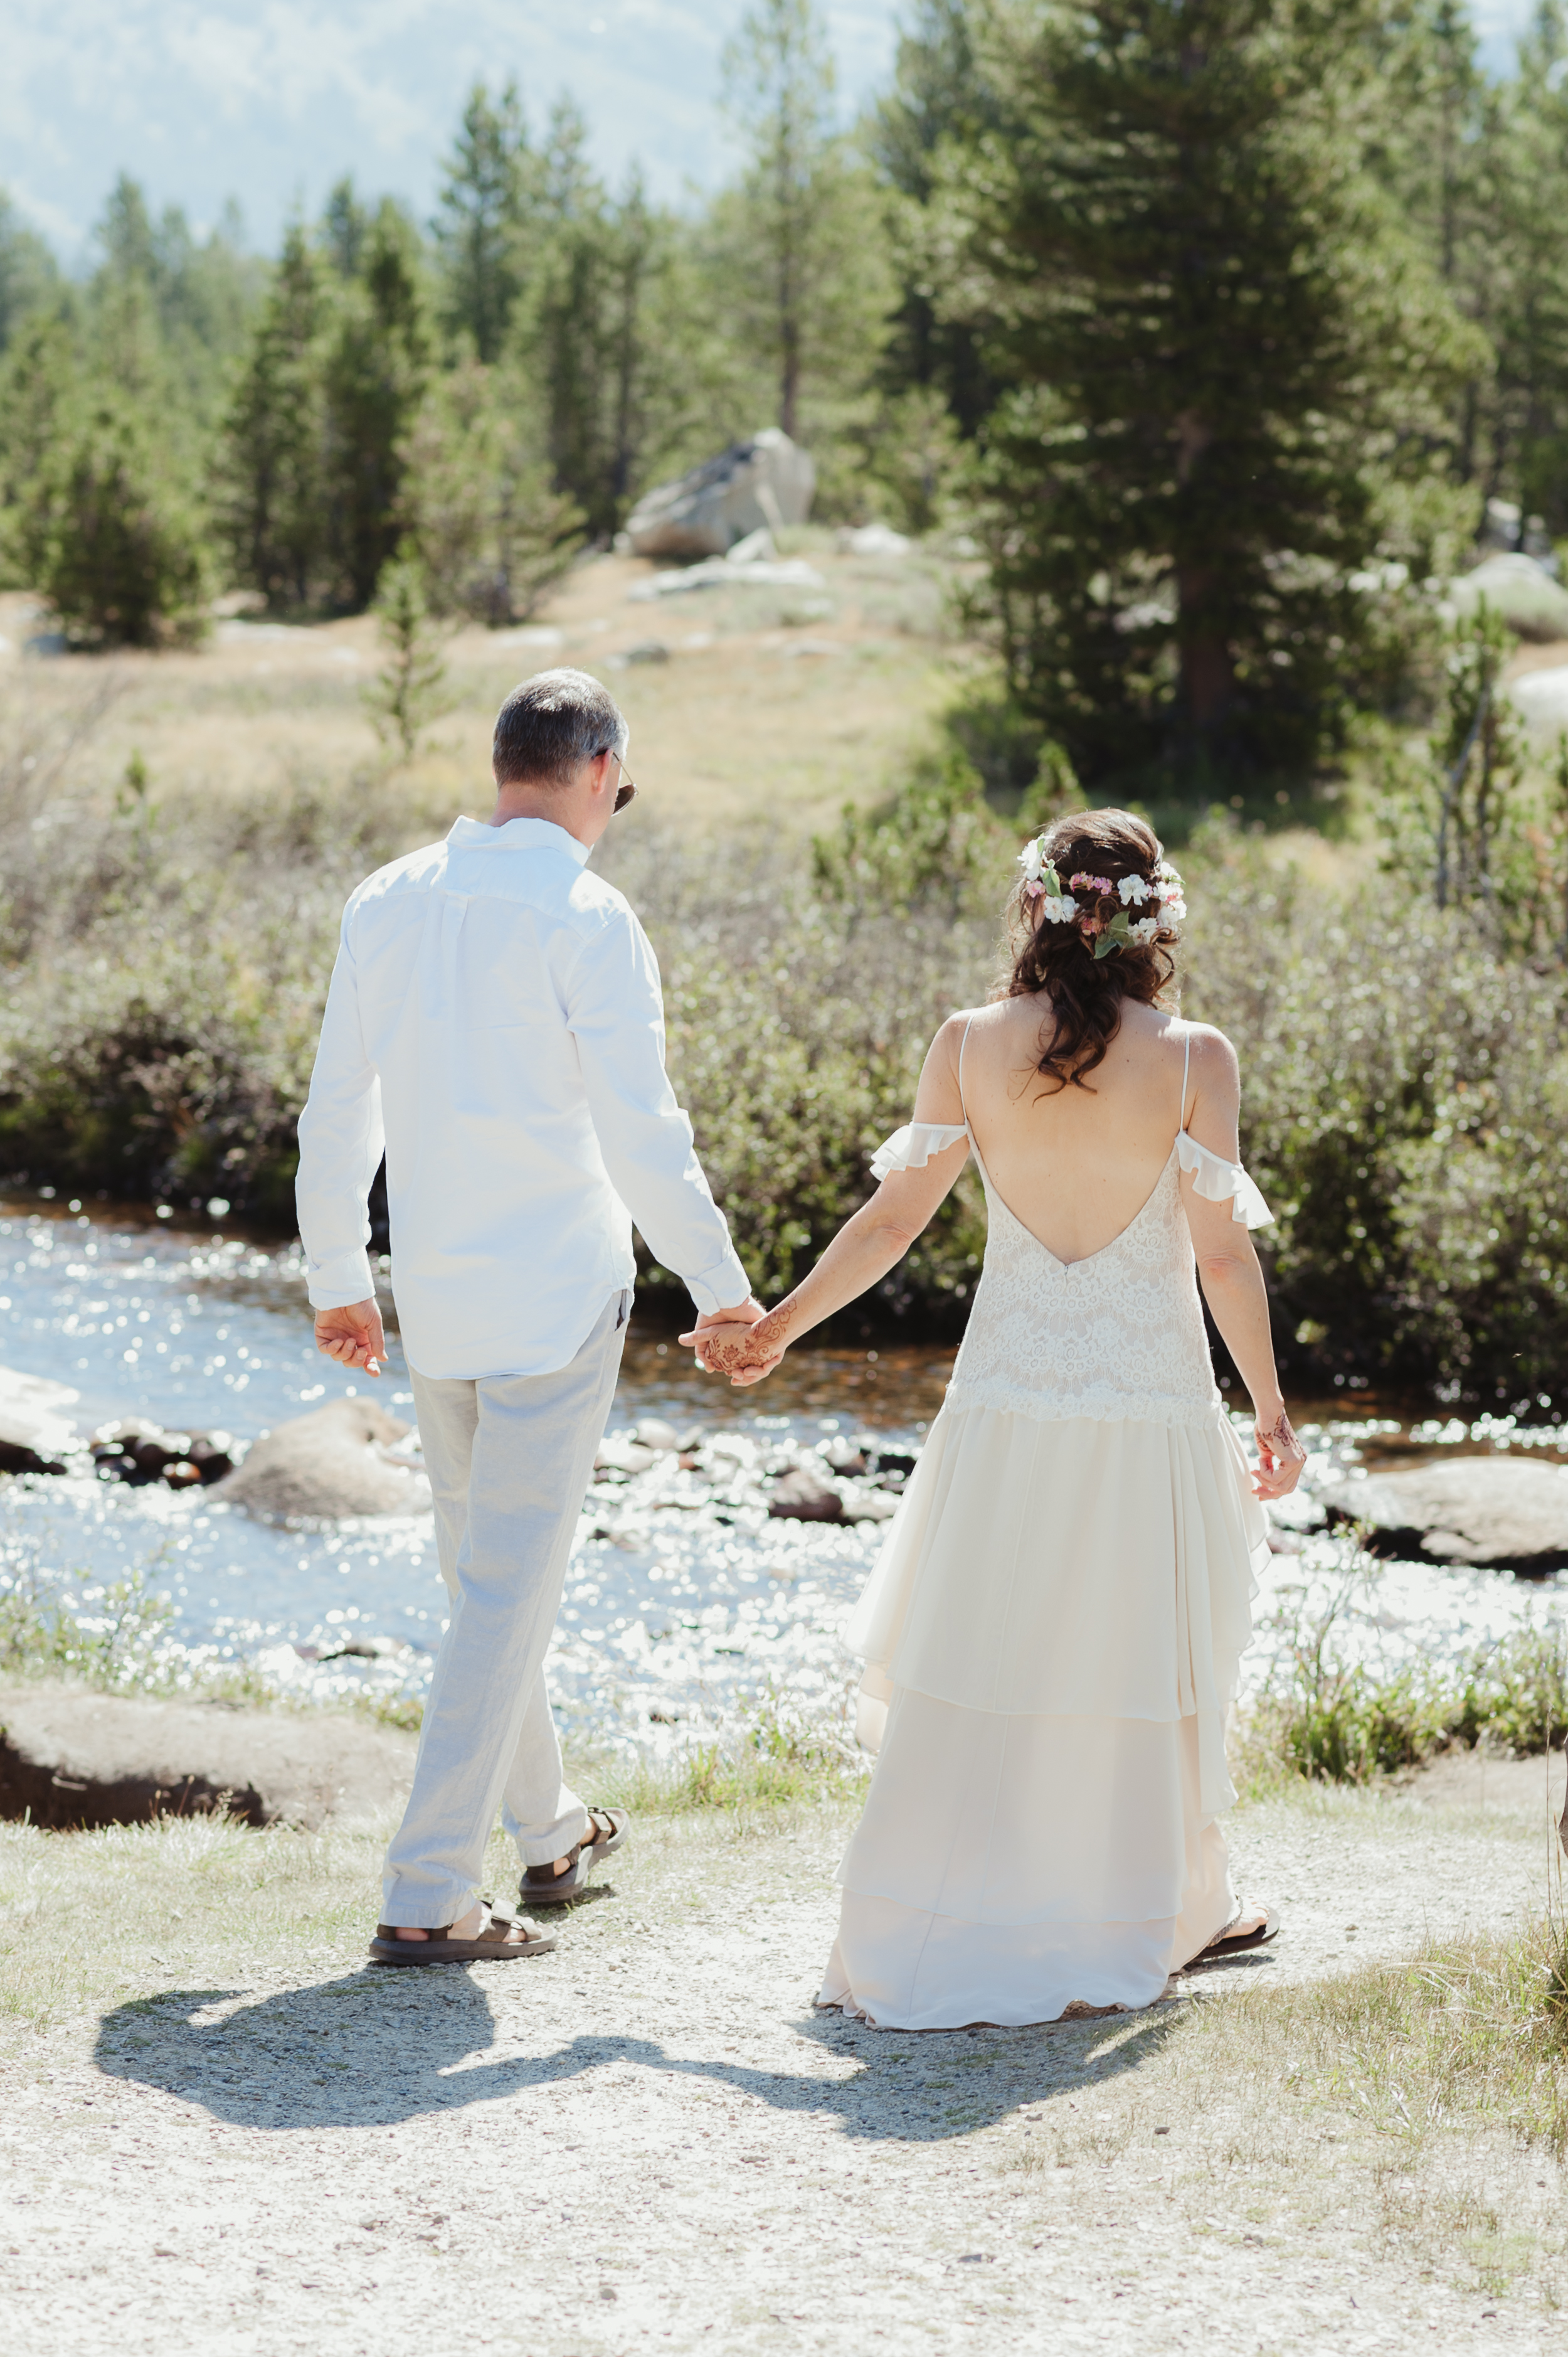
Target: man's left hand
[[352, 1336]]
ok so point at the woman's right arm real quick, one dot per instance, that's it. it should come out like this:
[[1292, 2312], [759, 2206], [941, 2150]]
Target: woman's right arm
[[1227, 1268], [873, 1240]]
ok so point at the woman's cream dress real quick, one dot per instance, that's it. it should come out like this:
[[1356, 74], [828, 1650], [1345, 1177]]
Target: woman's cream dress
[[1051, 1638]]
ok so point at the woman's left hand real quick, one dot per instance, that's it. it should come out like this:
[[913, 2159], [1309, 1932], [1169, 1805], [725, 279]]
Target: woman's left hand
[[1280, 1458], [745, 1353]]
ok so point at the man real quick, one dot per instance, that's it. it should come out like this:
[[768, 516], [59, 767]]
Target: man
[[495, 1020]]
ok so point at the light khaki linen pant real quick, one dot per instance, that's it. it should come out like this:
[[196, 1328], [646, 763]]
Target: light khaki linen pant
[[510, 1458]]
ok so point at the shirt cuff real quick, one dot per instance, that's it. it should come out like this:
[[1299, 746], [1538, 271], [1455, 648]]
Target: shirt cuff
[[723, 1287], [339, 1284]]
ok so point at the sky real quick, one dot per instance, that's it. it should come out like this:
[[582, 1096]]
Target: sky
[[271, 101]]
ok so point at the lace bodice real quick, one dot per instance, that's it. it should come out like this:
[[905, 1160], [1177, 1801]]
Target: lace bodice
[[1119, 1334]]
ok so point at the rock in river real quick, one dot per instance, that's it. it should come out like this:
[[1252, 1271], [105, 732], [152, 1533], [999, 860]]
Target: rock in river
[[341, 1459], [37, 1435], [1490, 1511], [72, 1758]]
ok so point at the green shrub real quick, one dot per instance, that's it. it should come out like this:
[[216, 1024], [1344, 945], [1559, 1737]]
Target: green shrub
[[1405, 1081], [110, 535], [1515, 1692], [1405, 1112], [797, 1030], [1322, 1715]]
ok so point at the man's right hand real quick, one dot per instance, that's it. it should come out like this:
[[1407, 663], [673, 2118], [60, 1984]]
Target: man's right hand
[[352, 1336]]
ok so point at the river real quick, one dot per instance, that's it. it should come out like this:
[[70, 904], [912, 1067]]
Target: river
[[679, 1609]]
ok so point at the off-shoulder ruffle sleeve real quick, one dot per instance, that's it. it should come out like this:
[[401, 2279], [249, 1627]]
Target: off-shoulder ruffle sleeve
[[1214, 1178], [911, 1148]]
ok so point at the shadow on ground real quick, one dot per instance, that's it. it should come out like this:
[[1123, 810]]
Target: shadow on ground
[[376, 2047]]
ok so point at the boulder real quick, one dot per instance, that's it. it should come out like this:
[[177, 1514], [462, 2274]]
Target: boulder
[[37, 1435], [873, 539], [1542, 697], [345, 1459], [805, 1495], [757, 485], [722, 573], [1519, 588], [69, 1758], [1489, 1511]]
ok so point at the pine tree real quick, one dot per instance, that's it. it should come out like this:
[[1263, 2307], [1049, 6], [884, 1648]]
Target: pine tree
[[482, 210], [1529, 315], [345, 230], [108, 533], [939, 97], [270, 482], [409, 691], [479, 501], [29, 275], [375, 364], [604, 335], [799, 254], [1221, 344]]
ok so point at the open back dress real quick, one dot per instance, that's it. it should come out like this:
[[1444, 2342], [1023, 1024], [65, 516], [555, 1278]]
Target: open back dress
[[1052, 1634]]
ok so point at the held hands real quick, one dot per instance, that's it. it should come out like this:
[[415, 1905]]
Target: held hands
[[1280, 1458], [352, 1336], [742, 1346]]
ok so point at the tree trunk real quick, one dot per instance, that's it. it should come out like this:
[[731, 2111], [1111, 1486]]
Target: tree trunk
[[1207, 671]]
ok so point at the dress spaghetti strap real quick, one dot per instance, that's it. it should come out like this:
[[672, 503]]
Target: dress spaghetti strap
[[1185, 1064], [961, 1046]]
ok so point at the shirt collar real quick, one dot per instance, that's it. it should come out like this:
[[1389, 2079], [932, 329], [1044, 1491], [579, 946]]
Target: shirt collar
[[517, 835]]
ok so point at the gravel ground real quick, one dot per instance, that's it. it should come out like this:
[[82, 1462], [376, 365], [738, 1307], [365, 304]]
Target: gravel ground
[[226, 2129]]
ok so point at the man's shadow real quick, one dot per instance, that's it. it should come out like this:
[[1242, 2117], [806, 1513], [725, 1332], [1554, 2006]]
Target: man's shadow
[[374, 2048]]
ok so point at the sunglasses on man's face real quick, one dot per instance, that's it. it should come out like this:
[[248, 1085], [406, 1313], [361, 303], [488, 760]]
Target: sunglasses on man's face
[[626, 790]]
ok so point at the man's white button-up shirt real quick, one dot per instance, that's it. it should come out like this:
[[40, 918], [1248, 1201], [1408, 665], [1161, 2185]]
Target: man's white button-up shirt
[[496, 1022]]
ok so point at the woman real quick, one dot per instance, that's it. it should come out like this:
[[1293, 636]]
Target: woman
[[1052, 1635]]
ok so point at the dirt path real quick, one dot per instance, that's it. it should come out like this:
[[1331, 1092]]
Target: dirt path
[[649, 2140]]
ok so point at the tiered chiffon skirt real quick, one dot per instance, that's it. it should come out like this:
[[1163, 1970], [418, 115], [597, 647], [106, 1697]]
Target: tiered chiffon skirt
[[1051, 1641]]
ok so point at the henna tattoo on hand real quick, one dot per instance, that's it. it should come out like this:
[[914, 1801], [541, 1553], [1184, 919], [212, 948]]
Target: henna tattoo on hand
[[1282, 1440], [737, 1349]]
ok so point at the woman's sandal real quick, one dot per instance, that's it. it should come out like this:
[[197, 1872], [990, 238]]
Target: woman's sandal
[[543, 1887], [1230, 1943], [493, 1943]]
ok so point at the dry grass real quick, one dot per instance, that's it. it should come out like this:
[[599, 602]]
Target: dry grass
[[760, 709], [1420, 2108]]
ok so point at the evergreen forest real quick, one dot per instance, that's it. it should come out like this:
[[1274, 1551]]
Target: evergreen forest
[[1214, 325]]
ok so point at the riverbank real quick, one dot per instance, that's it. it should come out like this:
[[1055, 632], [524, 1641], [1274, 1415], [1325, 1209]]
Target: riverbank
[[220, 2124]]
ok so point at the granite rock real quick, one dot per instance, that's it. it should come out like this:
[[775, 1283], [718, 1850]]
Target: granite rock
[[1488, 1511]]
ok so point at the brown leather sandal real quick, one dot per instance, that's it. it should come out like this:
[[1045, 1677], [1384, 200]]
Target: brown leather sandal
[[543, 1887], [1230, 1943], [493, 1944]]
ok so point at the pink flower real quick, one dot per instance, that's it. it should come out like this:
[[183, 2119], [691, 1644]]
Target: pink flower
[[1090, 882]]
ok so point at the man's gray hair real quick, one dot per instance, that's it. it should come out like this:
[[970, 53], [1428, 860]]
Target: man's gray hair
[[550, 724]]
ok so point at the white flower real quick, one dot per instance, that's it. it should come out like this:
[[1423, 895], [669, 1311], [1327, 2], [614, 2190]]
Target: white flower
[[1059, 912], [1133, 891], [1032, 860], [1175, 910], [1143, 930]]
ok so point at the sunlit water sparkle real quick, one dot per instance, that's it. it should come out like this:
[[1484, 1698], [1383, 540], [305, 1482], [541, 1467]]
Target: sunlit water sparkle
[[668, 1625]]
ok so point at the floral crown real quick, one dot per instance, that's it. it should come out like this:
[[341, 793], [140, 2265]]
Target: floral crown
[[1119, 930]]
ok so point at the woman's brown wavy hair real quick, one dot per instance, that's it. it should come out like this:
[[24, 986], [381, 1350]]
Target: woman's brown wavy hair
[[1086, 993]]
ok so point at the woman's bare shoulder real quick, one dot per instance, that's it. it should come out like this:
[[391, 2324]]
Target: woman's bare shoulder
[[1212, 1053]]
